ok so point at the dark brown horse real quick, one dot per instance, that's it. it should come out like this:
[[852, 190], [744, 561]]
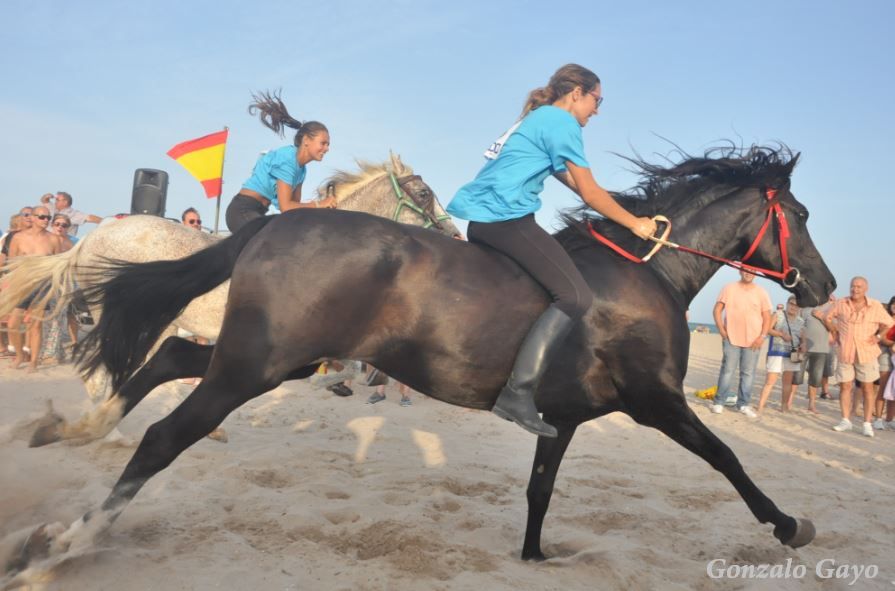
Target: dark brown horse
[[447, 317]]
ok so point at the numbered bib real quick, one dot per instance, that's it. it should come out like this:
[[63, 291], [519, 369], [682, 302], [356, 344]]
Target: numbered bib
[[494, 149]]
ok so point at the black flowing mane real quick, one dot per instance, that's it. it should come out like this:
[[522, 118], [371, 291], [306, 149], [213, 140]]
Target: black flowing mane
[[692, 182]]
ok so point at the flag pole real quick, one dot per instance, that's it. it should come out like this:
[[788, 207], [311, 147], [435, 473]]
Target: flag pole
[[217, 209]]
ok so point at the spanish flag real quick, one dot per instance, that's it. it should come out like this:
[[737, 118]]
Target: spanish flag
[[204, 159]]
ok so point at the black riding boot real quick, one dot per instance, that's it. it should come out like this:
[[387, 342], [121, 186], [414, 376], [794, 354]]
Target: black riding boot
[[516, 401]]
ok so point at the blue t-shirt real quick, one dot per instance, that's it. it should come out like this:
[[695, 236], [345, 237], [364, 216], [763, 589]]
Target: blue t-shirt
[[280, 164], [509, 186]]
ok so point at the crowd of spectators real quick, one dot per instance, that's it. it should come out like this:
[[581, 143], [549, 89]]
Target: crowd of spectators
[[848, 340]]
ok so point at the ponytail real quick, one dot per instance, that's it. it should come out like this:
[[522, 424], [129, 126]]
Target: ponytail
[[275, 116], [538, 98], [563, 81]]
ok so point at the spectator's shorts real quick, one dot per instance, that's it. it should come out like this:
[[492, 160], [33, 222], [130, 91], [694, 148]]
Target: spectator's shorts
[[778, 364], [830, 366], [817, 366], [32, 297], [885, 361], [864, 372]]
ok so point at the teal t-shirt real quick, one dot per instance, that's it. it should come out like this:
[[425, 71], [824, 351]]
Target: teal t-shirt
[[280, 164], [509, 186]]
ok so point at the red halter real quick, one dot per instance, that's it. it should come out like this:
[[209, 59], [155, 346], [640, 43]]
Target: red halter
[[774, 210]]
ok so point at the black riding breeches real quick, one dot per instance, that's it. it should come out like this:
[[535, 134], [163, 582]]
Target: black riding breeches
[[241, 211], [536, 251]]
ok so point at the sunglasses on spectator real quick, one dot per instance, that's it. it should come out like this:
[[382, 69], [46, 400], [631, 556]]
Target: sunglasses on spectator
[[42, 217], [597, 98], [61, 225], [25, 215], [194, 222]]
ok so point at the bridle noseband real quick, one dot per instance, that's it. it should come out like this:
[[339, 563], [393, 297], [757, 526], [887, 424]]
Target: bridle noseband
[[774, 211], [427, 210], [789, 276]]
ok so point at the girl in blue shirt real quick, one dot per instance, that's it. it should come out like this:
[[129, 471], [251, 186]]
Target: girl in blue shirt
[[500, 204], [278, 174]]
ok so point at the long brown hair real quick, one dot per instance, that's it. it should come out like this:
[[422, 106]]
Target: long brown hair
[[275, 116], [563, 81]]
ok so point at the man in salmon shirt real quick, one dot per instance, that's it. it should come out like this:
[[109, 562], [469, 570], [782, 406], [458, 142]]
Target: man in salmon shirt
[[857, 322], [746, 310]]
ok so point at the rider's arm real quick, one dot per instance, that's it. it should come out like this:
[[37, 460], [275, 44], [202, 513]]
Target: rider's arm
[[566, 179], [598, 199], [291, 199]]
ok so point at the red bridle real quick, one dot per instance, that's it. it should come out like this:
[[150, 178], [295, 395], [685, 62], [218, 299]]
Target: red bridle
[[774, 211]]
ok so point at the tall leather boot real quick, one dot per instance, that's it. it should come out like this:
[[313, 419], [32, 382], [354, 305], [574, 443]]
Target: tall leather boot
[[516, 401]]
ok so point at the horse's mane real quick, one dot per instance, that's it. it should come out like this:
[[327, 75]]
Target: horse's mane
[[347, 183], [690, 182]]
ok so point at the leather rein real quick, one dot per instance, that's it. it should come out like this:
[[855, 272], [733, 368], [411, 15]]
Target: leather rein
[[789, 275]]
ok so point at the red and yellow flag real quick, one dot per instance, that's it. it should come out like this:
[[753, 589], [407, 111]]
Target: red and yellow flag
[[204, 159]]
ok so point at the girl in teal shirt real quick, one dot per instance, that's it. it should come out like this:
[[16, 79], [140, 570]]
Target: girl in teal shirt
[[500, 204], [279, 174]]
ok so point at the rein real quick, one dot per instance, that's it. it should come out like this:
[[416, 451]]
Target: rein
[[774, 211], [403, 201]]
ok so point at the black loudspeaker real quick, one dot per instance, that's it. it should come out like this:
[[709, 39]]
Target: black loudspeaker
[[150, 192]]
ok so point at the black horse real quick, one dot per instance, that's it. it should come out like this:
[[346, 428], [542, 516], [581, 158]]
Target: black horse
[[447, 317]]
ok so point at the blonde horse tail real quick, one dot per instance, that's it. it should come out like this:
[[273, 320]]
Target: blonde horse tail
[[53, 277]]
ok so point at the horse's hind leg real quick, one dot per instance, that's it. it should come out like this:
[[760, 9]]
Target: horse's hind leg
[[174, 359], [227, 386], [670, 414], [548, 456]]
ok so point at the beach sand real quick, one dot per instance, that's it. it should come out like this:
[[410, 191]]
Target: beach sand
[[325, 493]]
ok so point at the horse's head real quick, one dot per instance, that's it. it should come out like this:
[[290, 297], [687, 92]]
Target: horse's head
[[761, 222], [735, 208], [393, 191], [781, 246]]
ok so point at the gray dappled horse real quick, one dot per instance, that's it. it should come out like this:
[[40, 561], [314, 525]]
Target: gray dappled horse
[[390, 190]]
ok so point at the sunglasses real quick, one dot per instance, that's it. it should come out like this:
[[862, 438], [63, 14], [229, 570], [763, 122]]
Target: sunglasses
[[25, 215], [42, 217], [63, 225], [597, 98], [194, 222]]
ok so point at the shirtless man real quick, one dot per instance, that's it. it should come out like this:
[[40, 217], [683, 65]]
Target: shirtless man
[[33, 241]]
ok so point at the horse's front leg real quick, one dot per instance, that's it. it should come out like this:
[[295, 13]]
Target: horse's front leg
[[223, 390], [548, 457], [670, 414]]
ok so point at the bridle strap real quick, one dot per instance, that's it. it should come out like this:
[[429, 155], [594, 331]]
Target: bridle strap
[[404, 201], [774, 210]]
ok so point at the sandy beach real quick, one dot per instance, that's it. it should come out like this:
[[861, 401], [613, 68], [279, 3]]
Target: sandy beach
[[319, 492]]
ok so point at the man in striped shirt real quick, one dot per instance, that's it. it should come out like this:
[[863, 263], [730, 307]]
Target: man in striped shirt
[[857, 322]]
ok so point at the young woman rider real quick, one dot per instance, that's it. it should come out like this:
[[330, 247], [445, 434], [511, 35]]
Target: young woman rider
[[278, 175], [500, 204]]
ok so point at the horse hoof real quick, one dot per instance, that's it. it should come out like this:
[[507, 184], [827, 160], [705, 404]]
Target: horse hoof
[[30, 547], [49, 429], [218, 435], [536, 556], [804, 534]]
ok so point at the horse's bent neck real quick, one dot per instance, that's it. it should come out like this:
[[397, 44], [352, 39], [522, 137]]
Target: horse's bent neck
[[373, 197], [718, 229]]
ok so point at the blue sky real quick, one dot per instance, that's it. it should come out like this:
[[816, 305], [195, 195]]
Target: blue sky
[[94, 90]]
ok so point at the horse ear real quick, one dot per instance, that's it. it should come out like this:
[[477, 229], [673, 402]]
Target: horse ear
[[792, 164], [397, 165]]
